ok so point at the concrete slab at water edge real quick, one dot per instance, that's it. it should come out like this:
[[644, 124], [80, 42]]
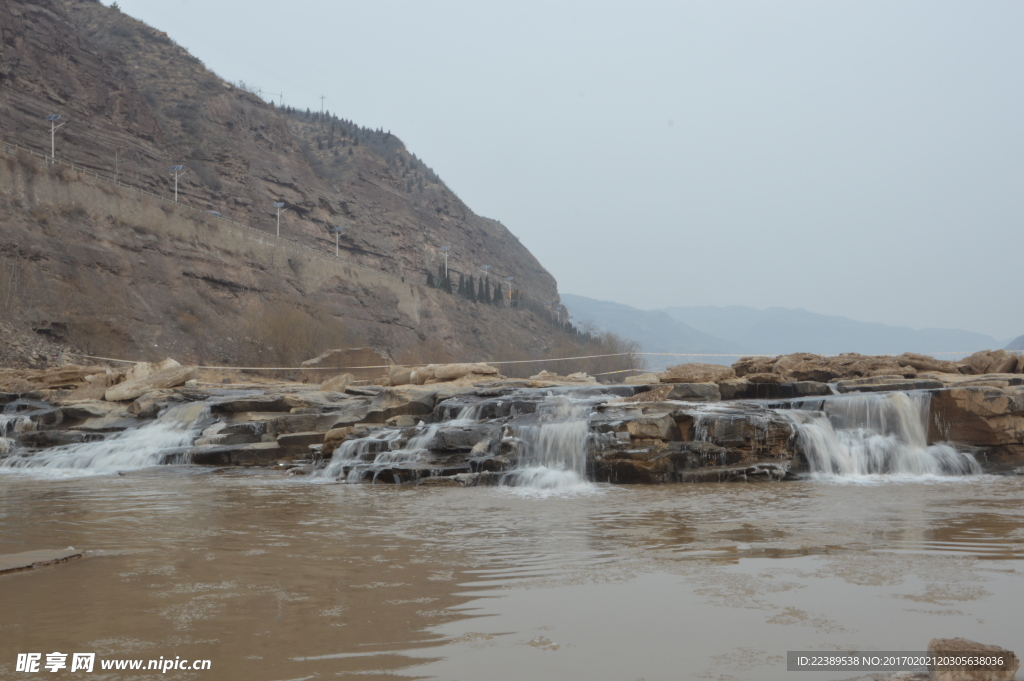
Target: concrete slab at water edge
[[28, 560]]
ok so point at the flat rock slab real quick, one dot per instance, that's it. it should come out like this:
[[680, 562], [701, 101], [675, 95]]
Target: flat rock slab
[[28, 560]]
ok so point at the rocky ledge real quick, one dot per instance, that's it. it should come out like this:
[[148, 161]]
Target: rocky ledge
[[466, 424]]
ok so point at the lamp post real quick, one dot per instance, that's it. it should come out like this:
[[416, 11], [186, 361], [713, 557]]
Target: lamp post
[[509, 280], [279, 206], [445, 249], [337, 232], [53, 129], [178, 172]]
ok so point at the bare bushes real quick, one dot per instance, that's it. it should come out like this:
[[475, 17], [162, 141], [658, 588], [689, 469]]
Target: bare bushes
[[280, 335], [29, 162], [65, 173]]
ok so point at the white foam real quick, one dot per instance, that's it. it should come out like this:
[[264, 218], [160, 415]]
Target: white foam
[[162, 441], [862, 437]]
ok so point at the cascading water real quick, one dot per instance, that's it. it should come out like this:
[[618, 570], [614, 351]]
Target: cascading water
[[873, 434], [367, 457], [553, 449], [165, 440]]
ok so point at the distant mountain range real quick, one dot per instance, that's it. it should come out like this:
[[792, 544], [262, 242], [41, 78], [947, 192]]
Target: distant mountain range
[[775, 331], [1016, 344]]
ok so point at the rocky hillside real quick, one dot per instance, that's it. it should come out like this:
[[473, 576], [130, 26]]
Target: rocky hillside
[[122, 272]]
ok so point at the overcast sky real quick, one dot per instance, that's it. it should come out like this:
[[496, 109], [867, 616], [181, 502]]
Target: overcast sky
[[856, 158]]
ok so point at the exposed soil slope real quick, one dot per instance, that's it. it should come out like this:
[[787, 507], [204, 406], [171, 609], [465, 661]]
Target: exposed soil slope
[[76, 249]]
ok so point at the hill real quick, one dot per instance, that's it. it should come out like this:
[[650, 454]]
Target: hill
[[1017, 344], [738, 330], [105, 268], [655, 330], [779, 330]]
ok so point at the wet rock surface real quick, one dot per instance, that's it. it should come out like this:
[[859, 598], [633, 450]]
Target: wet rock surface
[[480, 429]]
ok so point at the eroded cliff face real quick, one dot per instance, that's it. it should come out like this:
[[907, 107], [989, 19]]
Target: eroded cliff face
[[116, 273], [135, 104]]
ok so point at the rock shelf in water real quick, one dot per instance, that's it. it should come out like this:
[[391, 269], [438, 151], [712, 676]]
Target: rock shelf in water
[[543, 432]]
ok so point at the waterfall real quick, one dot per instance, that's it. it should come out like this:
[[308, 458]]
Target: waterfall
[[873, 434], [553, 448], [367, 457], [165, 440]]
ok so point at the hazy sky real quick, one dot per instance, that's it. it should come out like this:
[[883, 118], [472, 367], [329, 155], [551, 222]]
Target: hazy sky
[[855, 158]]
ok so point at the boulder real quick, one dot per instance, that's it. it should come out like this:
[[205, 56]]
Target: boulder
[[695, 392], [697, 373], [811, 389], [990, 362], [643, 379], [70, 376], [337, 384], [960, 647], [754, 365], [979, 417], [764, 378], [421, 375], [390, 403], [399, 375], [736, 389], [452, 372], [95, 386], [927, 363], [653, 427], [335, 437], [86, 410], [170, 376]]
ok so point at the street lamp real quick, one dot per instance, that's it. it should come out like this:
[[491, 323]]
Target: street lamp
[[445, 249], [53, 129], [279, 206], [337, 232], [178, 172], [558, 310], [509, 280]]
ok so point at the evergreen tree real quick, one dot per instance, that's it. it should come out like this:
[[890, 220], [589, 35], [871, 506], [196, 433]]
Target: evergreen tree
[[430, 279], [484, 294], [498, 298], [462, 285], [470, 288]]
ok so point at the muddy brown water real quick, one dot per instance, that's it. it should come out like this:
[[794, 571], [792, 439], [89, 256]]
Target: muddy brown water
[[276, 579]]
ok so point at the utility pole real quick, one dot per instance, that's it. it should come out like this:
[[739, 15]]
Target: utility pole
[[279, 206], [509, 280], [53, 129], [322, 98], [178, 172], [445, 249]]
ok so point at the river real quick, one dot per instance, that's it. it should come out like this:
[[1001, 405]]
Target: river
[[276, 578]]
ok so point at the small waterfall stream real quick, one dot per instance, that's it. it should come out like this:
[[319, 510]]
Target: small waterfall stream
[[873, 434], [553, 449], [386, 447], [164, 440]]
